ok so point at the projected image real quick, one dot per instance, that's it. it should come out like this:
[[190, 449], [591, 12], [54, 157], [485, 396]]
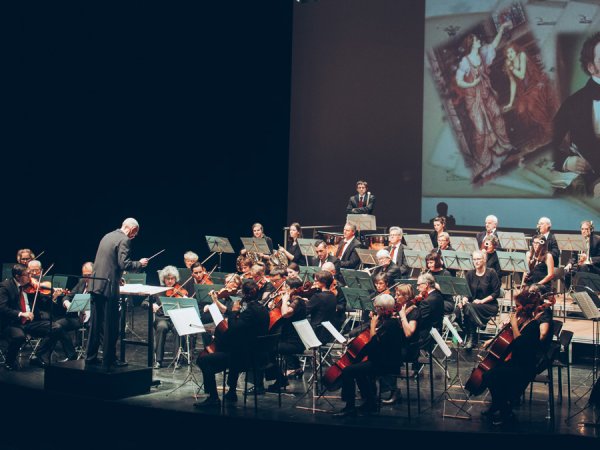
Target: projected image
[[496, 74]]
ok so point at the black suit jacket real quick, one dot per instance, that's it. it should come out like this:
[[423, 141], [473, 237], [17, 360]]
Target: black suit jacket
[[401, 260], [330, 258], [481, 236], [369, 204], [432, 314], [392, 271], [594, 252], [553, 248], [112, 258], [575, 118], [350, 259], [10, 304]]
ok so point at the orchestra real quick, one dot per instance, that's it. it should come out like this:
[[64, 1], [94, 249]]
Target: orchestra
[[268, 298]]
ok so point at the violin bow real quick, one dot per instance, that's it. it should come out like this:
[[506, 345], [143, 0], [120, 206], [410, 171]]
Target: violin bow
[[37, 290]]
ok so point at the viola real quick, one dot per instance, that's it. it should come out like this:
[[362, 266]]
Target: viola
[[177, 291]]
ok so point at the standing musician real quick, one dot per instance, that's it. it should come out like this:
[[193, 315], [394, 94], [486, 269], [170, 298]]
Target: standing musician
[[248, 320], [169, 277], [383, 352], [541, 265], [491, 229], [73, 321], [346, 251], [506, 381], [363, 202], [396, 249], [489, 246], [474, 312], [439, 226], [292, 250], [588, 260], [543, 228], [189, 258], [293, 309], [18, 319], [24, 255], [324, 257], [386, 267]]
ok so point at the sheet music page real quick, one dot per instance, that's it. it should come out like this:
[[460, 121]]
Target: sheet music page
[[450, 327], [142, 289], [335, 333], [186, 321], [215, 313], [307, 334], [440, 342]]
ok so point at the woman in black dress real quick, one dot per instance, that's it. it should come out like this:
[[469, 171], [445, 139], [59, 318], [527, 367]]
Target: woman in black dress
[[541, 265], [508, 380], [435, 267], [489, 245], [439, 226], [292, 250], [475, 311]]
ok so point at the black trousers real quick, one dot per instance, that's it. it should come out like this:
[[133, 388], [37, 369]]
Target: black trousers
[[364, 374], [68, 324], [214, 363], [104, 328], [16, 335], [162, 325]]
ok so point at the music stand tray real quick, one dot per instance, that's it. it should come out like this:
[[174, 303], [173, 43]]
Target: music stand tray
[[464, 244], [573, 242], [415, 259], [513, 261], [258, 245], [367, 256], [356, 298], [219, 244], [589, 307], [420, 242], [202, 290], [457, 260], [453, 286], [307, 246], [358, 279], [512, 240], [308, 272], [363, 222]]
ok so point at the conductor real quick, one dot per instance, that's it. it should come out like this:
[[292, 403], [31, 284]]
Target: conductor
[[112, 258]]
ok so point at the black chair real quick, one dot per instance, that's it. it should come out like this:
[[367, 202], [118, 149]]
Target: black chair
[[407, 376], [563, 359], [547, 378]]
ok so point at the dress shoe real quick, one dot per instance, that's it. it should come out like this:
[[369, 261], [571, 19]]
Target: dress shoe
[[348, 411], [36, 361], [469, 342], [231, 396], [277, 386], [211, 401], [158, 365], [295, 373], [392, 399], [119, 363], [260, 390]]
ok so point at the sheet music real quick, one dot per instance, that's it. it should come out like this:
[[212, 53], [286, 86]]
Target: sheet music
[[335, 333], [450, 327], [440, 342], [307, 334], [186, 321], [142, 289], [215, 313]]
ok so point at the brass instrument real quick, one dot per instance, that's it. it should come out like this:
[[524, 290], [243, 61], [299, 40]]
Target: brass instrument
[[278, 259]]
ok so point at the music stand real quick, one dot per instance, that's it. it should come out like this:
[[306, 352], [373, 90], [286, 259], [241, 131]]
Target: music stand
[[367, 256], [307, 247], [220, 245], [587, 279], [363, 222], [257, 245], [454, 286], [218, 277], [457, 260], [171, 303], [308, 272], [512, 262], [464, 244], [186, 322], [202, 290], [358, 279], [512, 240], [420, 242], [591, 312], [573, 242], [415, 259]]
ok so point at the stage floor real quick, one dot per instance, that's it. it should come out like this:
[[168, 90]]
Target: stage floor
[[170, 404]]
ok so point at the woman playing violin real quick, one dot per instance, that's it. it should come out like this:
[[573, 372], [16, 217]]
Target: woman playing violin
[[541, 265], [293, 271], [233, 283], [383, 354], [506, 381]]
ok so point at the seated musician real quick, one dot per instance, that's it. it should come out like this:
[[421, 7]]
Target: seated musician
[[431, 308], [474, 312], [73, 321], [248, 320], [293, 271], [189, 258], [541, 265], [384, 355], [396, 249], [169, 277], [323, 256], [199, 276], [387, 267], [588, 260], [18, 319], [265, 287], [507, 381], [489, 245], [363, 202], [233, 284], [24, 255], [292, 250], [259, 233], [45, 301], [244, 265], [321, 307], [435, 267], [346, 251], [544, 227], [444, 244], [340, 308], [439, 226], [408, 314], [381, 284], [293, 309]]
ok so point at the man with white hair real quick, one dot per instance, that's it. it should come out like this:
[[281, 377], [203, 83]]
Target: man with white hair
[[431, 307], [543, 228], [387, 267], [491, 225], [396, 250], [112, 258]]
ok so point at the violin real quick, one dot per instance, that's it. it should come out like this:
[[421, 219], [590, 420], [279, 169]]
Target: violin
[[306, 290], [177, 291], [225, 293], [219, 337], [44, 288]]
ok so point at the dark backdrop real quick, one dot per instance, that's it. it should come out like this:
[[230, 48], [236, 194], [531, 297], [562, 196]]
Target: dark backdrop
[[357, 90], [177, 115]]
